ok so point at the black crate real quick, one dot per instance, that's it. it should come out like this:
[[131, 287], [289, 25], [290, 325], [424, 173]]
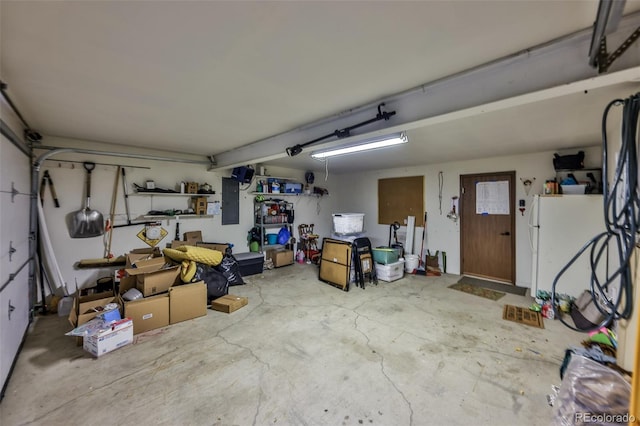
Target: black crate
[[250, 263]]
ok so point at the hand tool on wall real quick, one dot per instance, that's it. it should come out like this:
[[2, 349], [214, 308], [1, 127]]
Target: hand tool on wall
[[86, 223], [46, 179], [112, 213], [126, 200]]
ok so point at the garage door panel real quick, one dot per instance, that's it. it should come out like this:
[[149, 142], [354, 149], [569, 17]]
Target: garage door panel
[[14, 230], [11, 263], [14, 311], [15, 201], [16, 168]]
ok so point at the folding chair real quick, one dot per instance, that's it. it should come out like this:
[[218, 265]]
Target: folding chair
[[363, 261]]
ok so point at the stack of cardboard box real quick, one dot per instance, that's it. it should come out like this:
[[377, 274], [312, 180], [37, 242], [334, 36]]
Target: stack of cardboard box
[[166, 299]]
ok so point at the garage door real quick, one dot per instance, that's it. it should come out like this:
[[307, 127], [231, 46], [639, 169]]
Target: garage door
[[14, 253]]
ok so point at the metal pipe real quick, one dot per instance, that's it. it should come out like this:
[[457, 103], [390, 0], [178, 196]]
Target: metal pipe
[[56, 150], [13, 138], [98, 164], [5, 95]]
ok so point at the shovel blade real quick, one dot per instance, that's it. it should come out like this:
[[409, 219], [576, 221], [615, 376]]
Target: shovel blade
[[85, 223]]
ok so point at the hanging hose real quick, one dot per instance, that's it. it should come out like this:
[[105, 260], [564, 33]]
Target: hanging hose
[[621, 210]]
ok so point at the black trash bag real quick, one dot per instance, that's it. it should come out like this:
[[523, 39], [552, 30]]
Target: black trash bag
[[231, 269], [217, 284], [253, 235]]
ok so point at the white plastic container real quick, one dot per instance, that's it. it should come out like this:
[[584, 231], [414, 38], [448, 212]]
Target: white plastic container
[[348, 223], [573, 189], [390, 272], [412, 261], [349, 237], [64, 306]]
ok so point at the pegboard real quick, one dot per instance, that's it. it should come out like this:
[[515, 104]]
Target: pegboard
[[399, 198]]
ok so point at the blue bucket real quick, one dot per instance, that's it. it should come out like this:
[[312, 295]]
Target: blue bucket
[[272, 238]]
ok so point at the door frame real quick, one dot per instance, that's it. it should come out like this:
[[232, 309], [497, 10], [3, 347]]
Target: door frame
[[512, 210]]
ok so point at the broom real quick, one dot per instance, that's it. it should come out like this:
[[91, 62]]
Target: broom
[[424, 231]]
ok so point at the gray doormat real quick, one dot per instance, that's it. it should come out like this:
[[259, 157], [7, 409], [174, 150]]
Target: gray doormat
[[507, 288]]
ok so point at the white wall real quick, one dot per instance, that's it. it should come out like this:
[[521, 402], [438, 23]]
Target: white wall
[[347, 193], [69, 184], [358, 193]]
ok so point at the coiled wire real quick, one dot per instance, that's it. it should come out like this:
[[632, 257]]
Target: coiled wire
[[611, 250]]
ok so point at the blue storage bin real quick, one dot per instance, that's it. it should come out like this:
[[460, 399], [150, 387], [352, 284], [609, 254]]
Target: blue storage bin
[[293, 188]]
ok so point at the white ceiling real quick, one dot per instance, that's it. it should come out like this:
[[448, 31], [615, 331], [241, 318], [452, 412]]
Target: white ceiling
[[209, 76]]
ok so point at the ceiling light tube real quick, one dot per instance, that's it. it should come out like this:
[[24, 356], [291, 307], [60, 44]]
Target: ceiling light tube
[[367, 145]]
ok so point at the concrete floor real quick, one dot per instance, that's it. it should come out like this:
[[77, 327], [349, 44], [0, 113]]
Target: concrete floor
[[410, 352]]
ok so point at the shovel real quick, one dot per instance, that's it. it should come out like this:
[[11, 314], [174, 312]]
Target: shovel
[[86, 223]]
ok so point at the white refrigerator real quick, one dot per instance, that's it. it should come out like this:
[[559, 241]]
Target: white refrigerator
[[559, 226]]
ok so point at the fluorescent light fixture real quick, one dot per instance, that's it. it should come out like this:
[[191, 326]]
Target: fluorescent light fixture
[[377, 143]]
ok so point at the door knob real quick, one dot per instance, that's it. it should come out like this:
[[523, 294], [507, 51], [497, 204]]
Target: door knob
[[505, 233]]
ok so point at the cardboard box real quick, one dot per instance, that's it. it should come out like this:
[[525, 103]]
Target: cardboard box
[[229, 303], [82, 310], [148, 313], [192, 187], [120, 334], [126, 283], [200, 205], [141, 254], [187, 301], [214, 246], [152, 277], [280, 257], [178, 243], [192, 237]]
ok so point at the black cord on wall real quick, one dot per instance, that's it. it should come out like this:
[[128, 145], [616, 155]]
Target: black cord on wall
[[621, 215]]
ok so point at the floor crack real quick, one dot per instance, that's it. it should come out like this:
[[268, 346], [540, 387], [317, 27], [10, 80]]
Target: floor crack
[[384, 373], [257, 358]]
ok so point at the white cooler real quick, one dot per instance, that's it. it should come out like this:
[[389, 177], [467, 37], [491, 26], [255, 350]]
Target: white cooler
[[391, 271]]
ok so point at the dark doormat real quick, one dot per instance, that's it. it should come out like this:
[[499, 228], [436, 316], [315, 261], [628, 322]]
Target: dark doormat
[[522, 316], [507, 288], [478, 291]]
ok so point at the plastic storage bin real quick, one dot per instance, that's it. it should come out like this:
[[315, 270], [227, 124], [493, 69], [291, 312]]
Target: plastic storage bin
[[573, 189], [250, 263], [348, 223], [391, 272], [385, 255]]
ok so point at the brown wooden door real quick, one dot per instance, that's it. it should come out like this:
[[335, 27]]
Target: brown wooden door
[[487, 225]]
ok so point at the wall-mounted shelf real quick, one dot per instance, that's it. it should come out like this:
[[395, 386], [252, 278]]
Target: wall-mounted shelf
[[272, 225], [165, 201], [169, 194], [258, 177], [266, 247], [286, 194], [176, 217]]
